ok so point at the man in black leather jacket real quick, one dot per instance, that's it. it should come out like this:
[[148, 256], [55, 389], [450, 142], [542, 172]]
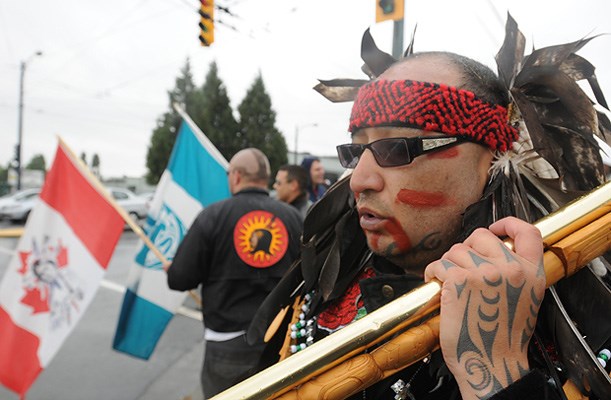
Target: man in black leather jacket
[[237, 249]]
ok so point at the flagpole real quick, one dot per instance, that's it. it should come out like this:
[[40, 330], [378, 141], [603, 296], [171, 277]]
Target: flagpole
[[104, 193], [201, 136], [128, 220]]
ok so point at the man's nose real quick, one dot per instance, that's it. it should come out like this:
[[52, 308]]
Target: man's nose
[[367, 174]]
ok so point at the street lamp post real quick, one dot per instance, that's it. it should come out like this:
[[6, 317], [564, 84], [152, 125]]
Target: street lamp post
[[297, 128], [20, 120]]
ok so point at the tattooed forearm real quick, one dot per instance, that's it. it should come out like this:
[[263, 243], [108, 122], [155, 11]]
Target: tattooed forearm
[[465, 343], [513, 295], [487, 337], [499, 305], [480, 377]]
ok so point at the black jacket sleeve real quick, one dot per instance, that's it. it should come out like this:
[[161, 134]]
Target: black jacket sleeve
[[187, 270], [533, 386]]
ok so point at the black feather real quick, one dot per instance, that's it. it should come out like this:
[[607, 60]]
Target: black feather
[[325, 213], [376, 60], [339, 90], [559, 117], [509, 57], [409, 50]]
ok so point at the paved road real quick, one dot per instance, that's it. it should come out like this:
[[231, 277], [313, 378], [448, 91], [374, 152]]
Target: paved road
[[86, 367]]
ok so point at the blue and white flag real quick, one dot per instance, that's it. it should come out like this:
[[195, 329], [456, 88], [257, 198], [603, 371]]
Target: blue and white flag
[[195, 177]]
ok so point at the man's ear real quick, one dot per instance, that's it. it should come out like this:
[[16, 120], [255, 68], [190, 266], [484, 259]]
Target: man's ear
[[294, 185]]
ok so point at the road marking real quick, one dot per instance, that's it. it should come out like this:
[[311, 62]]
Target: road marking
[[182, 310]]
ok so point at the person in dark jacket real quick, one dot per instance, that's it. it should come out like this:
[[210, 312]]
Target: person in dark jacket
[[316, 177], [237, 250], [291, 187]]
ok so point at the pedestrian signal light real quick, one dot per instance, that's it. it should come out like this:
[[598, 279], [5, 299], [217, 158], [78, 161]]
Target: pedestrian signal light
[[389, 10], [206, 22]]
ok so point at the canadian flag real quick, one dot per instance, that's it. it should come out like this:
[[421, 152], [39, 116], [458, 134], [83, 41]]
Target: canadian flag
[[59, 262]]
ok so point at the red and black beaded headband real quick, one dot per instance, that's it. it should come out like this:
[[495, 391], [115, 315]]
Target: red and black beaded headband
[[432, 107]]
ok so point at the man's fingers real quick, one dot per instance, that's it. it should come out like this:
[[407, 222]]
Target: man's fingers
[[527, 241], [438, 269]]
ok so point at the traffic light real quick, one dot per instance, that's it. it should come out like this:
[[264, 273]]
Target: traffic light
[[389, 10], [206, 22]]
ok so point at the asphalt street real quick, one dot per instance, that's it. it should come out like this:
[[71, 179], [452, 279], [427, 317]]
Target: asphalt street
[[86, 366]]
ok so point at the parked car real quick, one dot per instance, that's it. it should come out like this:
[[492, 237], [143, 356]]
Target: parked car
[[134, 205], [148, 197], [17, 206]]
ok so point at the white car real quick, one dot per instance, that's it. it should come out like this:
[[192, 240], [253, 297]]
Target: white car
[[17, 206], [134, 205], [148, 197]]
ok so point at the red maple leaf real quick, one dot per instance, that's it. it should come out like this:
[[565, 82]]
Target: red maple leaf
[[62, 255], [23, 257], [33, 298]]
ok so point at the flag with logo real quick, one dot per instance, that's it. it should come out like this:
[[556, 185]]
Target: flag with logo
[[195, 177], [60, 260]]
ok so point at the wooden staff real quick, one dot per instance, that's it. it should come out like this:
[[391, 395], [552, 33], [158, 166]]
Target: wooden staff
[[573, 236]]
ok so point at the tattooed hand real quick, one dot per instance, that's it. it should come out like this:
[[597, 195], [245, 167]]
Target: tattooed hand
[[489, 303]]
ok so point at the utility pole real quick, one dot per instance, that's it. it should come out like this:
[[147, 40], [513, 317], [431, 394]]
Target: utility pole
[[392, 10], [19, 126], [297, 127], [397, 39], [19, 146]]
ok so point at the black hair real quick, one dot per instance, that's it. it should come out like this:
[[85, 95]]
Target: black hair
[[296, 173]]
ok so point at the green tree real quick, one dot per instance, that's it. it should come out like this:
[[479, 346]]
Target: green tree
[[258, 125], [95, 164], [214, 116], [95, 161], [164, 135], [84, 158], [37, 162], [4, 186]]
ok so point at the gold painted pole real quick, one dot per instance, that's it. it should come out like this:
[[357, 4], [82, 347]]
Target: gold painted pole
[[350, 377], [404, 311], [11, 232]]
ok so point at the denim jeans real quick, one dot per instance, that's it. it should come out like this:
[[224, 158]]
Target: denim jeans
[[227, 363]]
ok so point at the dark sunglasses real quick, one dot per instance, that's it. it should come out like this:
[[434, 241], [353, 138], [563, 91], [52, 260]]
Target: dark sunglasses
[[394, 152]]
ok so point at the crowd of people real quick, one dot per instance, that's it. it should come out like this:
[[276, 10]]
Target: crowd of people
[[432, 192]]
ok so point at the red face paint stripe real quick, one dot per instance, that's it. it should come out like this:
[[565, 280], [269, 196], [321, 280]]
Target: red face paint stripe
[[419, 199], [452, 152], [399, 236], [375, 238]]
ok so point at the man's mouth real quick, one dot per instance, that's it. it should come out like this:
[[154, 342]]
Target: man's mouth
[[370, 220]]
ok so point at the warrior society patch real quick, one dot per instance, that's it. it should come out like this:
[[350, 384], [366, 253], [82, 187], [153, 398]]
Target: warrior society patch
[[260, 239]]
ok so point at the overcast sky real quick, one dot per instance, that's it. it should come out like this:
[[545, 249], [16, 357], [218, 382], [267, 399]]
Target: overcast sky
[[106, 67]]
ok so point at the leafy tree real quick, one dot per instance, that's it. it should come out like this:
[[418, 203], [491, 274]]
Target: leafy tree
[[95, 161], [211, 110], [213, 114], [257, 125], [164, 135], [37, 162], [84, 158], [4, 186]]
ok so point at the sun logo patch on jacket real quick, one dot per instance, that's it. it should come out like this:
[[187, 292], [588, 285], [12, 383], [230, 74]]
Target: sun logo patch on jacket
[[260, 239]]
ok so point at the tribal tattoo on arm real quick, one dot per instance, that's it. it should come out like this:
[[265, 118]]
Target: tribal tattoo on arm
[[499, 319]]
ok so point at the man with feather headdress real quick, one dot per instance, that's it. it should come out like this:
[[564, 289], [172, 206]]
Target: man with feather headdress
[[444, 152]]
